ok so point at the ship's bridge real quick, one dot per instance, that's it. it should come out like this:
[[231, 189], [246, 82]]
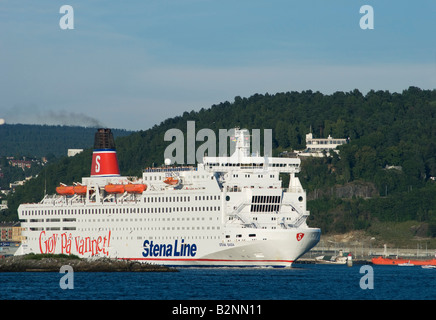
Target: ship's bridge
[[255, 164]]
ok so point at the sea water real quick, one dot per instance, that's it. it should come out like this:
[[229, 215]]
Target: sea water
[[302, 282]]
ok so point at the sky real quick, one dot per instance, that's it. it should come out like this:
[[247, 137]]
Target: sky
[[132, 64]]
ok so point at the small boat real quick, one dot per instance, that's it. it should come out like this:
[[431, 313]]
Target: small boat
[[428, 267], [171, 181], [331, 260], [114, 188], [65, 190], [135, 188], [406, 264], [79, 189]]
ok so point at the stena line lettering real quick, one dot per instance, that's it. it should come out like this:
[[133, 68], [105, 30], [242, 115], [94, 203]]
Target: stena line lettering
[[168, 250]]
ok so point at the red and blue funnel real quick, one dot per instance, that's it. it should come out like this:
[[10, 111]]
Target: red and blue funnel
[[104, 157]]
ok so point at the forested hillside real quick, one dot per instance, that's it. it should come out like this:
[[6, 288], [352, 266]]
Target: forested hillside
[[42, 140], [385, 129]]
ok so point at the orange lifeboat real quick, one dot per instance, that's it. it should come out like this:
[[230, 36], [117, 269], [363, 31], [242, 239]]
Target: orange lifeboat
[[79, 189], [114, 188], [65, 190], [171, 181], [135, 187]]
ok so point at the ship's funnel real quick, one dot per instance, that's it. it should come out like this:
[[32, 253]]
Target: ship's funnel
[[104, 157]]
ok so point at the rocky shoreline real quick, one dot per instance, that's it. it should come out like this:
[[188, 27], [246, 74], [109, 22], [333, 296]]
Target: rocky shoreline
[[53, 263]]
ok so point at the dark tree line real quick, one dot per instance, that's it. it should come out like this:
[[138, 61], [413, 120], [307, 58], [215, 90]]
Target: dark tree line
[[43, 140]]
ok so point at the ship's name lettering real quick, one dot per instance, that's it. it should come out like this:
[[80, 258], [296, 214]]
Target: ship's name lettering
[[227, 244], [169, 250]]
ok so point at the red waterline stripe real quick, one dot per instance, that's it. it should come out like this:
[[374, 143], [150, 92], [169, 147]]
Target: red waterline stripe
[[215, 260]]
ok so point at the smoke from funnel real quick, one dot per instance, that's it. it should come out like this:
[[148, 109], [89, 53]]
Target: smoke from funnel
[[71, 119], [32, 114]]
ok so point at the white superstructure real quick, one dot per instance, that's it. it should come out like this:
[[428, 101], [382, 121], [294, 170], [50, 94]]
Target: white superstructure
[[228, 211]]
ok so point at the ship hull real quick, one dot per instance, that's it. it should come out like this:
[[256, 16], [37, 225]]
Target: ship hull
[[281, 251], [278, 248]]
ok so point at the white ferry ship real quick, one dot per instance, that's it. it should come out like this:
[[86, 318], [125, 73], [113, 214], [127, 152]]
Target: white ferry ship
[[227, 211]]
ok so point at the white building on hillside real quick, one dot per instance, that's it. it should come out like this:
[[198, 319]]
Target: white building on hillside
[[317, 147], [73, 152]]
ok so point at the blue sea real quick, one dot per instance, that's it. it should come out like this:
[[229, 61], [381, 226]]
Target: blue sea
[[302, 282]]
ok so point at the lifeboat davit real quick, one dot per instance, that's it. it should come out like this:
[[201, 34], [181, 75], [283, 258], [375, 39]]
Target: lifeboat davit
[[114, 188], [171, 181], [65, 190], [135, 187], [79, 189]]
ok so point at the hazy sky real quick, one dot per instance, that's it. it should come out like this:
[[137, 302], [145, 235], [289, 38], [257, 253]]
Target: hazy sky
[[132, 64]]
